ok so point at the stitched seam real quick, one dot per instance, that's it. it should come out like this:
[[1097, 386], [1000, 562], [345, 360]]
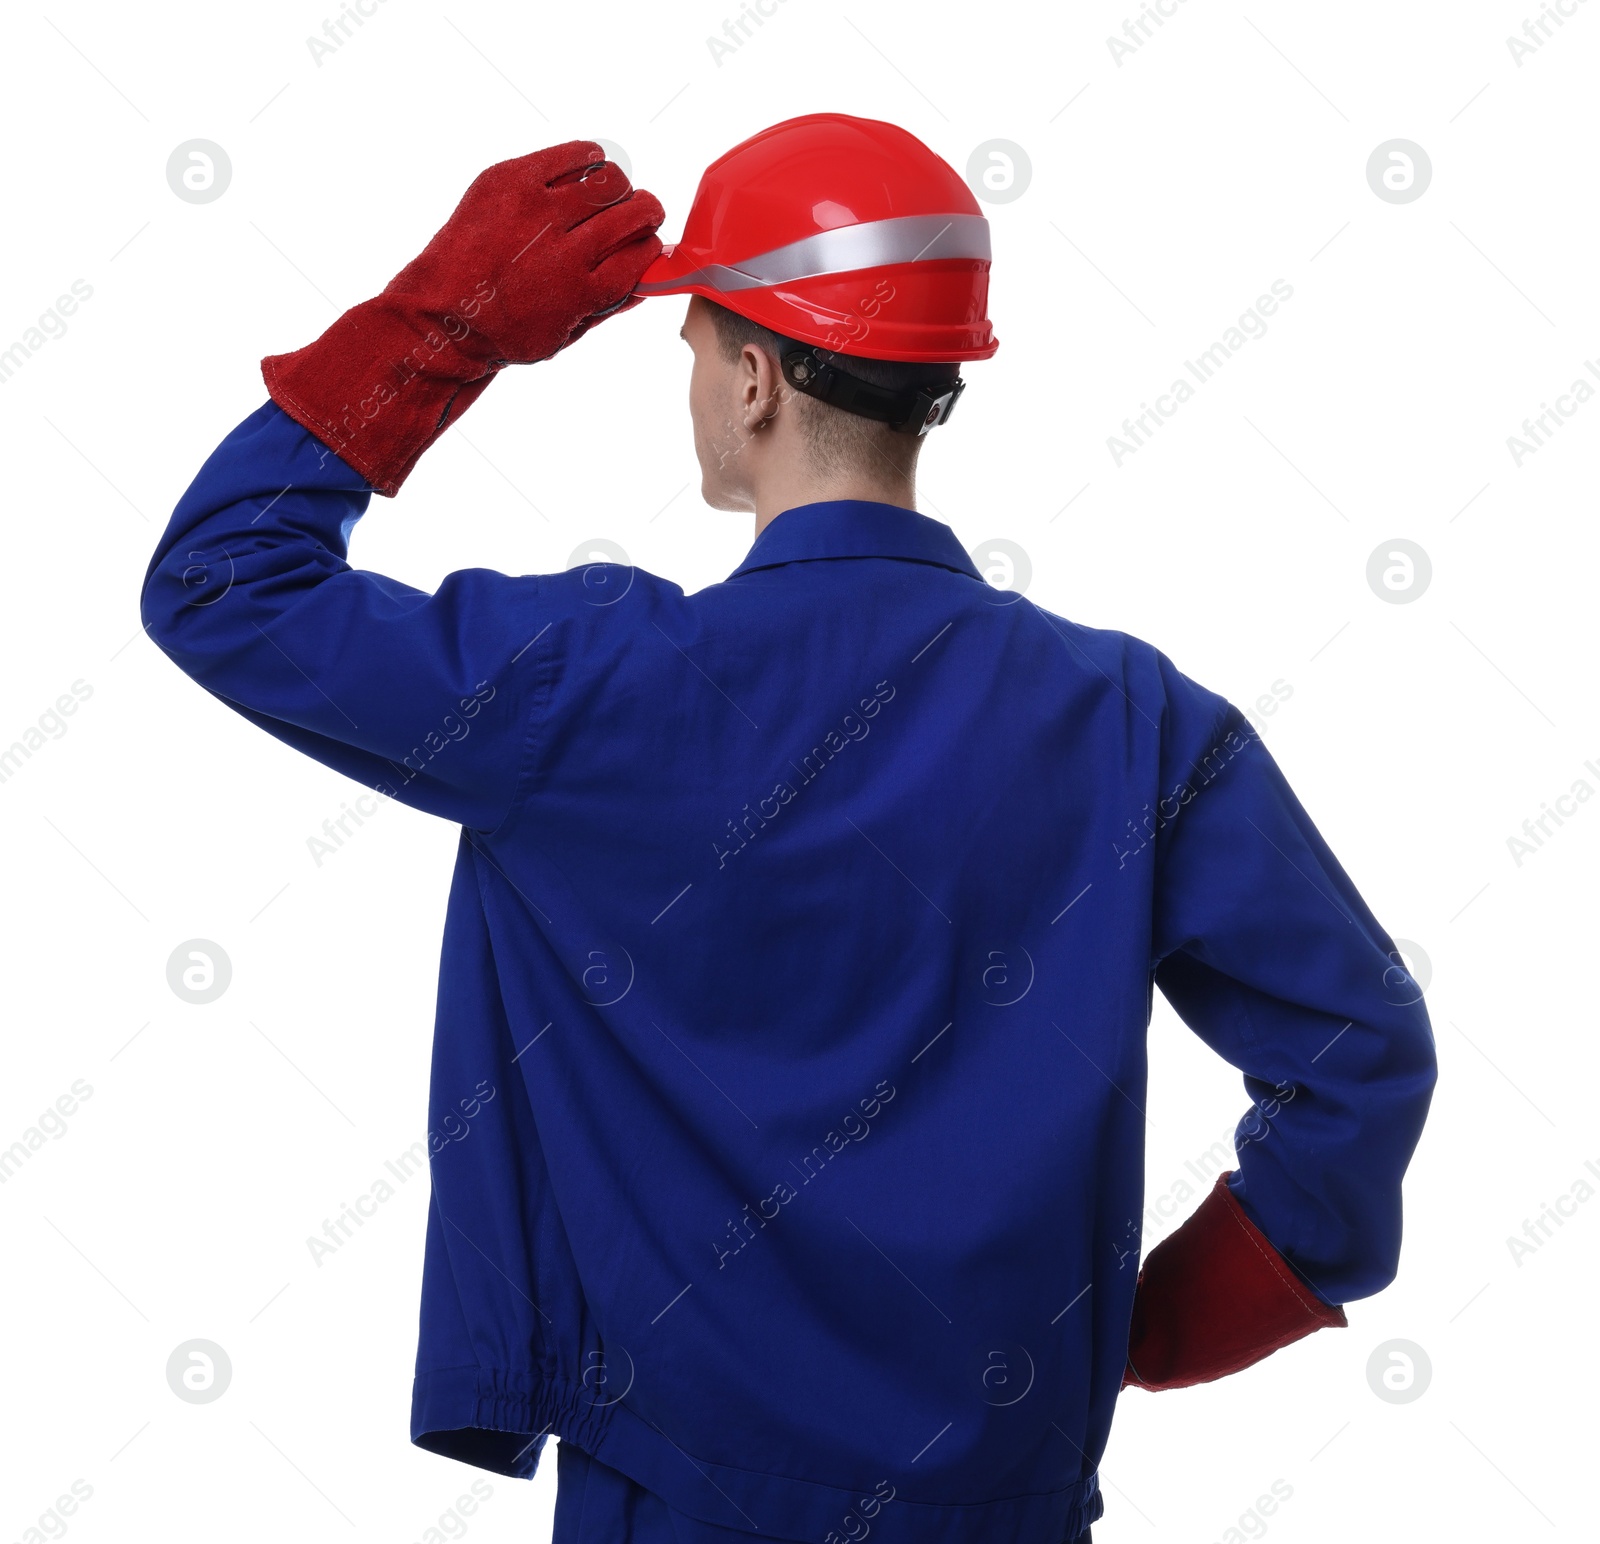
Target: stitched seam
[[536, 700], [1245, 1226]]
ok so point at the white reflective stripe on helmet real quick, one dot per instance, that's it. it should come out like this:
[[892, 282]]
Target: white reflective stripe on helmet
[[909, 238]]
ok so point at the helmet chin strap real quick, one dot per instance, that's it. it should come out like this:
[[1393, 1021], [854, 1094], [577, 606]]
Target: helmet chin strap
[[911, 411]]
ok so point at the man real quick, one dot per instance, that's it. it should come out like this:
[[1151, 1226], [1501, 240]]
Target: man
[[801, 945]]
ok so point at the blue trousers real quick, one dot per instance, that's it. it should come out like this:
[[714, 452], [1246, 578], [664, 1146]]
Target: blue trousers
[[597, 1505]]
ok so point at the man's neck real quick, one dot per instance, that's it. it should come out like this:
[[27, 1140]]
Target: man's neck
[[790, 493]]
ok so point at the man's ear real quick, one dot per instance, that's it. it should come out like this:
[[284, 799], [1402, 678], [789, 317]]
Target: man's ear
[[761, 387]]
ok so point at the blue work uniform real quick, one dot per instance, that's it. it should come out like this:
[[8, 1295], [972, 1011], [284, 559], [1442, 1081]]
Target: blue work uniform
[[789, 1054]]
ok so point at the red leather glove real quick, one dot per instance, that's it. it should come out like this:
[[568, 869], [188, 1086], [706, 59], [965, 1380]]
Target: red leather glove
[[539, 250], [1214, 1297]]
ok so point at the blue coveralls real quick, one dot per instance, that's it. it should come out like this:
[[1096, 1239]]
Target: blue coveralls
[[786, 1104]]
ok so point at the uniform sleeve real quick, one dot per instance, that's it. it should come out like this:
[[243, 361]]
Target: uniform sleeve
[[423, 697], [1266, 950]]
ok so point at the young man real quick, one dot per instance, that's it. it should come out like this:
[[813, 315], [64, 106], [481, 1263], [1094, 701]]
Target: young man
[[801, 945]]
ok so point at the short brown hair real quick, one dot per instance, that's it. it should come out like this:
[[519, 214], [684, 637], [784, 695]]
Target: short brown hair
[[841, 441]]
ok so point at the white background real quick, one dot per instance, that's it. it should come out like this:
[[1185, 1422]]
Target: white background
[[1166, 194]]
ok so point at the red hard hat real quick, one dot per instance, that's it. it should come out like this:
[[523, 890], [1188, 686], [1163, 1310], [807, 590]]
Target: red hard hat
[[842, 232]]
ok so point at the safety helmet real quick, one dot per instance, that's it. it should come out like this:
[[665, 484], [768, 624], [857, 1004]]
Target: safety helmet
[[845, 233]]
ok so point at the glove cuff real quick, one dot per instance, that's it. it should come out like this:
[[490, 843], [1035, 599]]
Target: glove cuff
[[380, 386], [1214, 1298]]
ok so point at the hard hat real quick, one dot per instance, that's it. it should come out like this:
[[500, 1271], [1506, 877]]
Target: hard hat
[[845, 233]]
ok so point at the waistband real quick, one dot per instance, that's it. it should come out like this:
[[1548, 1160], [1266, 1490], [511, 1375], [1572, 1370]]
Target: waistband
[[499, 1420]]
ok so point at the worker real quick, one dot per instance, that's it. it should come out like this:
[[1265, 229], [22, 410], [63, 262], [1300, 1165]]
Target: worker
[[789, 1060]]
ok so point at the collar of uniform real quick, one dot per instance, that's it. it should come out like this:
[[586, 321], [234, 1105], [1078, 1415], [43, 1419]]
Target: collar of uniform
[[855, 528]]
